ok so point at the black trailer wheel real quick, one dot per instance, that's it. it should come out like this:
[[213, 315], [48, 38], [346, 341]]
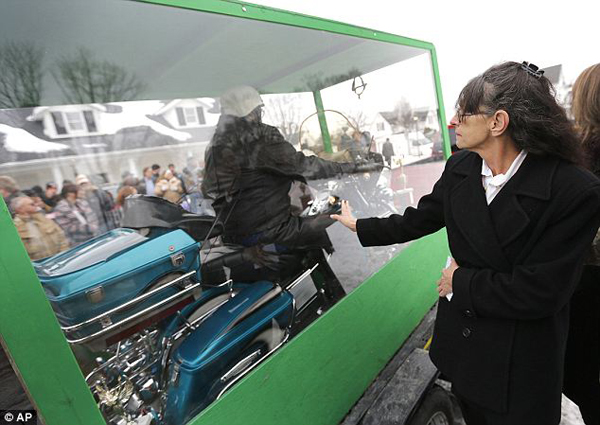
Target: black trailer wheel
[[436, 409]]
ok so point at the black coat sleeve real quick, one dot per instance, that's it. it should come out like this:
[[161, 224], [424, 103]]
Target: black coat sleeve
[[427, 218], [279, 156], [543, 282]]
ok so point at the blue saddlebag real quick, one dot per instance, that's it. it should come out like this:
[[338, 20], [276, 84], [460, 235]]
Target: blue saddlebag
[[112, 269], [246, 328]]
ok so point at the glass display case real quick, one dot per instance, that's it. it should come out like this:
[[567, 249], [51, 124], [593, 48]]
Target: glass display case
[[170, 169]]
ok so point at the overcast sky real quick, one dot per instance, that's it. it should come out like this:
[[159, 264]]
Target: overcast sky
[[471, 35]]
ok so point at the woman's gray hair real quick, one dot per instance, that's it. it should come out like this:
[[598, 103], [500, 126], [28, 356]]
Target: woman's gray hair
[[537, 124]]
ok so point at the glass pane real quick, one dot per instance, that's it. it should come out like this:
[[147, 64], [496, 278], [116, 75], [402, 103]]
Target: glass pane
[[74, 121], [190, 115], [150, 188]]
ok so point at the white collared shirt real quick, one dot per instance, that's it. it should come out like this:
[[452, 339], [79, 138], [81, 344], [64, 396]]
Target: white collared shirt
[[493, 184]]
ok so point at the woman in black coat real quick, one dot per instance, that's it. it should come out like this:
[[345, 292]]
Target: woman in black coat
[[582, 360], [519, 215]]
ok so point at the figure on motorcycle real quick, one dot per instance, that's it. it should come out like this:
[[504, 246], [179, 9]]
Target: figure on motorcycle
[[249, 171]]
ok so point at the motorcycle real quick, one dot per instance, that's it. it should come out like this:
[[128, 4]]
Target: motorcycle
[[160, 317]]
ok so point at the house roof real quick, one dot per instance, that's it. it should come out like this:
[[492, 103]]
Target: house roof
[[19, 140], [553, 73], [421, 114], [172, 104], [17, 118], [24, 136], [197, 133], [391, 117], [38, 112]]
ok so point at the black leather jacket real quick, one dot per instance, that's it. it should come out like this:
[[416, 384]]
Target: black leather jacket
[[249, 171]]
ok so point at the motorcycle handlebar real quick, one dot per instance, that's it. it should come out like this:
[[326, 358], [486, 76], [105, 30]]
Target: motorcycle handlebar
[[369, 167]]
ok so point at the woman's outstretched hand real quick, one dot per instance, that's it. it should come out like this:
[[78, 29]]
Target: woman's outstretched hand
[[346, 217]]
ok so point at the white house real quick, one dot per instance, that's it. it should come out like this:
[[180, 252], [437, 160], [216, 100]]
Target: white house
[[426, 118], [58, 142]]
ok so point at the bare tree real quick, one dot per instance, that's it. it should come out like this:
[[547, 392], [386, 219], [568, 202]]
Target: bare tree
[[404, 112], [21, 74], [283, 111], [358, 119], [85, 79]]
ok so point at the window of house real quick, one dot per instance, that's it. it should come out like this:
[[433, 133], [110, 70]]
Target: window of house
[[189, 116], [380, 126], [76, 122]]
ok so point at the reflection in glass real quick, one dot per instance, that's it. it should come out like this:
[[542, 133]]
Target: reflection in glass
[[85, 79], [180, 242], [21, 76]]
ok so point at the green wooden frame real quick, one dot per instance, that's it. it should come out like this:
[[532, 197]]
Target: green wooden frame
[[314, 379]]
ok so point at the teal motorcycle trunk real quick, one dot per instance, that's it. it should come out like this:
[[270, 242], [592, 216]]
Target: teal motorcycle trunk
[[93, 278]]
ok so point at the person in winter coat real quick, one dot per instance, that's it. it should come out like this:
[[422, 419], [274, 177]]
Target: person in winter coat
[[249, 170], [168, 187], [582, 360], [75, 216], [387, 150], [9, 189], [520, 214], [41, 236], [100, 202]]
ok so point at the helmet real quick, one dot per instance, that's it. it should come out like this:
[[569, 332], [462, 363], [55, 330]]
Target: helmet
[[240, 101]]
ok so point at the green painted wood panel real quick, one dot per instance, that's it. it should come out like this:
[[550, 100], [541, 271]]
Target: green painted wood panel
[[440, 101], [268, 14], [33, 339]]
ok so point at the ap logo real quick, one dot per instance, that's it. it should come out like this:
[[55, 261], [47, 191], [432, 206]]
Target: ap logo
[[17, 417]]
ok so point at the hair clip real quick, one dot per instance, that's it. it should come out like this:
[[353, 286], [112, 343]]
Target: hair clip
[[532, 69]]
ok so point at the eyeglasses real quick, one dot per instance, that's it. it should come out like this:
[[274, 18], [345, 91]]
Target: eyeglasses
[[460, 115]]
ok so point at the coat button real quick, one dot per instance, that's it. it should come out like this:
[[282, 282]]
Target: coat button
[[468, 313], [466, 332]]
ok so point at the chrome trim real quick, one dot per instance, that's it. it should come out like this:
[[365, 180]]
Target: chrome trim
[[118, 353], [128, 303], [241, 375], [95, 295], [135, 316], [228, 282], [294, 314], [178, 259], [176, 335], [233, 370], [301, 277]]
